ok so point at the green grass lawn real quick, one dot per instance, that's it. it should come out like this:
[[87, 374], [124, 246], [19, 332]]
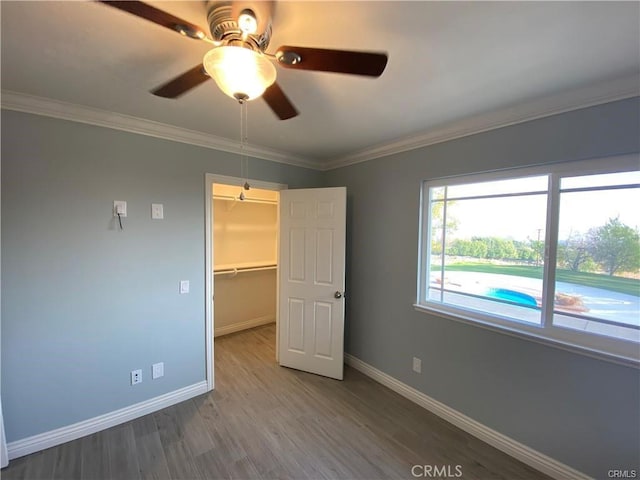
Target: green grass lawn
[[629, 286]]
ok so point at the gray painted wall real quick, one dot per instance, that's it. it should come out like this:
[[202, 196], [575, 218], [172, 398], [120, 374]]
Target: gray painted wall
[[579, 410], [83, 303]]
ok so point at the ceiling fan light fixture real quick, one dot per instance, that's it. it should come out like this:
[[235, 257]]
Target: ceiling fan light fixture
[[247, 22], [239, 72]]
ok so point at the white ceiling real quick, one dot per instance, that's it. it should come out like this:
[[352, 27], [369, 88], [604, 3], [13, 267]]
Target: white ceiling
[[448, 61]]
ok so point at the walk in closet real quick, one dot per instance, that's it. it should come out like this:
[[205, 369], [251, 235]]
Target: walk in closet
[[244, 257]]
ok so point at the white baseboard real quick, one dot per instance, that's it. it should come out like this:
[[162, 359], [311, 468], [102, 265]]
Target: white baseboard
[[531, 457], [237, 327], [25, 446]]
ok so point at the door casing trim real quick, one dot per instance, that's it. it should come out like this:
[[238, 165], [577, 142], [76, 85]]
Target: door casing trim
[[209, 180]]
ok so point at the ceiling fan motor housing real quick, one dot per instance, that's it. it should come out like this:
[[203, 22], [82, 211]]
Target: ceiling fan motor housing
[[225, 29], [238, 63]]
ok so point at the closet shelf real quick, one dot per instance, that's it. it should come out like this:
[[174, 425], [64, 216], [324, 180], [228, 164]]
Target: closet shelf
[[241, 269]]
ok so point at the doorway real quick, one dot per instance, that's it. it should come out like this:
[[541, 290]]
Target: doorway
[[241, 257]]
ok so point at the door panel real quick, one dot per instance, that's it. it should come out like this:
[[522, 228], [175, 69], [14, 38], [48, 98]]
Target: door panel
[[322, 324], [312, 257], [324, 256], [296, 325], [297, 255]]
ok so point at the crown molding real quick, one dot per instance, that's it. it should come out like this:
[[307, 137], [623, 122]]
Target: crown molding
[[78, 113], [619, 89]]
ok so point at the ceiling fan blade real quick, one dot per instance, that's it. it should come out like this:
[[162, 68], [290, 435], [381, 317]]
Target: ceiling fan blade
[[182, 83], [370, 64], [279, 102], [158, 16]]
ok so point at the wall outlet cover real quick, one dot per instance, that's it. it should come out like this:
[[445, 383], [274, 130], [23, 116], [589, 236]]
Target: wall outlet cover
[[136, 377], [157, 211]]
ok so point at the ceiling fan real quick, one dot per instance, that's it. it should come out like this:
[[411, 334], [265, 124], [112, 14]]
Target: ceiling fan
[[238, 61]]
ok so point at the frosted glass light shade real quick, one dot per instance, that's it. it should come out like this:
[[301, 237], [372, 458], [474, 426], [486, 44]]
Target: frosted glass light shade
[[239, 72]]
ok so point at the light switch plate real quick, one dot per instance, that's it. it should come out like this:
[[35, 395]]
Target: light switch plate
[[157, 370], [157, 211], [184, 286], [417, 365], [119, 207]]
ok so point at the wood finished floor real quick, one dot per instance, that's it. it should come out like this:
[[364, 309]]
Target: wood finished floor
[[267, 422]]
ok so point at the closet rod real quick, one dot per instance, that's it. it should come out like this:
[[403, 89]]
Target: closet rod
[[235, 271], [231, 198]]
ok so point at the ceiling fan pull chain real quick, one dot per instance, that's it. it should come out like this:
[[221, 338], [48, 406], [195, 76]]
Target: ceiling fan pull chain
[[244, 161], [246, 185], [241, 196]]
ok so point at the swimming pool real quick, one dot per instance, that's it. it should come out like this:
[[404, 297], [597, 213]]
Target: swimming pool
[[512, 296]]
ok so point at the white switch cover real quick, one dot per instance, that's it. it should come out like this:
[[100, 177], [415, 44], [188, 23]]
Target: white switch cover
[[417, 365], [157, 370], [184, 286], [119, 207], [157, 211]]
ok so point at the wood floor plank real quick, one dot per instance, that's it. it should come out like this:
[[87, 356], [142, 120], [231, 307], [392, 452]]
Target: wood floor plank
[[123, 457], [212, 465], [225, 442], [42, 466], [254, 443], [196, 434], [243, 469], [151, 460], [268, 422], [292, 452], [17, 469], [144, 425], [178, 456], [95, 456]]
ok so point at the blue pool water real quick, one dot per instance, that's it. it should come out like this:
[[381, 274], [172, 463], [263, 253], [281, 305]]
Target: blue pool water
[[512, 296]]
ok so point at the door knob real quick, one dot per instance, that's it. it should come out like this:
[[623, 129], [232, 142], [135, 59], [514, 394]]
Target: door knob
[[338, 294]]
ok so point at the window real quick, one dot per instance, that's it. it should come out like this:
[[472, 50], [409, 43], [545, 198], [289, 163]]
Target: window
[[551, 253]]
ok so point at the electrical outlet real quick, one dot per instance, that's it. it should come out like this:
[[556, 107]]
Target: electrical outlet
[[136, 377], [184, 286], [157, 370], [157, 211], [417, 365]]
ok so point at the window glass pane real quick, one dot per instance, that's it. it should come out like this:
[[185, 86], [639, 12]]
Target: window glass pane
[[604, 180], [500, 187], [598, 262], [436, 214], [493, 255], [437, 192]]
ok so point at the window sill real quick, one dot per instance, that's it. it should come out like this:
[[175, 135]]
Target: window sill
[[521, 331]]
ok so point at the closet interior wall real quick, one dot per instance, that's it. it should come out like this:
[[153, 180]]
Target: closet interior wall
[[244, 257]]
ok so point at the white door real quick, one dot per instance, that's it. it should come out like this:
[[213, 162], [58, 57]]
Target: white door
[[311, 283]]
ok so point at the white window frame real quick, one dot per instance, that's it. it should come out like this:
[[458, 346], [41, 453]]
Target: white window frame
[[609, 348]]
